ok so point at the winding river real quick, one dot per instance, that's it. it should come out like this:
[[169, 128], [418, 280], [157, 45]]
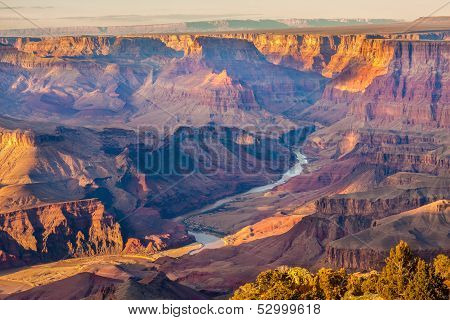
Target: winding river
[[210, 241]]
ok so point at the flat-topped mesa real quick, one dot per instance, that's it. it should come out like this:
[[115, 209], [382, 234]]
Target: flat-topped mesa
[[328, 55], [57, 231], [64, 46], [362, 57], [309, 52], [302, 52]]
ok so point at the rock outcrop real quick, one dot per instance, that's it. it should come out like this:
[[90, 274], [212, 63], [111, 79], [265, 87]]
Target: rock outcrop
[[57, 231], [375, 204], [149, 234]]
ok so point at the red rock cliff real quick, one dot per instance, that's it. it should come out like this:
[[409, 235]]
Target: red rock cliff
[[57, 231]]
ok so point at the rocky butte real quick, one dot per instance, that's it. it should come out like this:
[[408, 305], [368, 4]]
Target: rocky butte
[[57, 231]]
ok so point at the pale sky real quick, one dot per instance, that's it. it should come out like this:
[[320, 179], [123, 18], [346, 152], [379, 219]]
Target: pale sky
[[50, 13]]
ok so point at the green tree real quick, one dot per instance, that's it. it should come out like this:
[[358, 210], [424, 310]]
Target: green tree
[[354, 285], [280, 284], [398, 271], [369, 285], [333, 283], [442, 267], [426, 284], [248, 291], [404, 276]]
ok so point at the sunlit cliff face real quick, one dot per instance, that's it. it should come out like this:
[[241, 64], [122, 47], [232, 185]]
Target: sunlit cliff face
[[348, 143], [359, 61], [17, 138], [65, 46], [186, 43], [358, 58]]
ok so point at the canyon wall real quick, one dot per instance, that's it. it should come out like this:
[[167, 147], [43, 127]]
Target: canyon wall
[[398, 150], [425, 229], [401, 82], [381, 78], [57, 231], [379, 205]]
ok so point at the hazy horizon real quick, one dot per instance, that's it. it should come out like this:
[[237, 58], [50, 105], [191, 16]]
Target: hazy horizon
[[54, 13]]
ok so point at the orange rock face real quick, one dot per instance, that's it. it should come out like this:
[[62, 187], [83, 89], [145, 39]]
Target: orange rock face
[[397, 81], [57, 231], [269, 227]]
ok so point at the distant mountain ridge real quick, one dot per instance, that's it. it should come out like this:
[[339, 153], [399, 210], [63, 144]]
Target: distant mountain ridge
[[194, 26]]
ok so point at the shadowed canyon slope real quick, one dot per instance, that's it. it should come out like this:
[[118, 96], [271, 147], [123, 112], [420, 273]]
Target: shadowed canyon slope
[[84, 173]]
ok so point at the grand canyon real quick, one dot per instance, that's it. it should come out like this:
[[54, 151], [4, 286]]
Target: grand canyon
[[180, 165]]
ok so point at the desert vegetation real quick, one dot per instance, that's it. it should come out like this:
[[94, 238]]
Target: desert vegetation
[[404, 276]]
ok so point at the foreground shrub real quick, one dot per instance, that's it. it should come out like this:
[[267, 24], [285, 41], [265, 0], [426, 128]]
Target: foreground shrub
[[404, 276], [333, 284], [280, 284], [442, 267], [426, 284]]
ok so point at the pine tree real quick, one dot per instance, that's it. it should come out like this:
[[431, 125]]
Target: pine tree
[[426, 285], [419, 287], [404, 276], [399, 270]]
